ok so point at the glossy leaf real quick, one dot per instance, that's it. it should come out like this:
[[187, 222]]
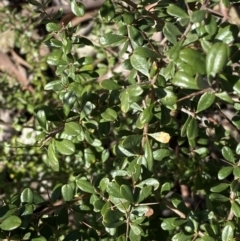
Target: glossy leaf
[[236, 209], [216, 58], [77, 8], [206, 100], [10, 223], [72, 128], [27, 196], [109, 115], [109, 84], [236, 171], [218, 197], [194, 59], [112, 39], [160, 154], [85, 186], [225, 172], [126, 193], [131, 141], [192, 129], [140, 63], [220, 187], [146, 52], [173, 53], [52, 158], [162, 137], [224, 96], [176, 11], [198, 16], [148, 155], [227, 233], [186, 81], [67, 192], [53, 27], [65, 147], [228, 154], [135, 36], [171, 32], [149, 182]]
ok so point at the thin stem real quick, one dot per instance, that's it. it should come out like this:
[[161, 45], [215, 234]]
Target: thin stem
[[195, 94]]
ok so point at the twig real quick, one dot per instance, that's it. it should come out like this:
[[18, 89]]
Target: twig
[[195, 94]]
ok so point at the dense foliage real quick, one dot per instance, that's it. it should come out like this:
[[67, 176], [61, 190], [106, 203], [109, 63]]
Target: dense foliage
[[133, 140]]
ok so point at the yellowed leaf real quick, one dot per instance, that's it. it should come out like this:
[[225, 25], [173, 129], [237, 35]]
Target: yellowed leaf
[[162, 137]]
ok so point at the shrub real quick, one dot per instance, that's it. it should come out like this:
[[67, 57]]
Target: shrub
[[136, 153]]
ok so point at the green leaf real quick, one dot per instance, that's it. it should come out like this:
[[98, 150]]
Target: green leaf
[[185, 127], [55, 58], [10, 223], [149, 182], [140, 63], [220, 187], [186, 81], [236, 121], [192, 129], [131, 141], [109, 115], [65, 147], [134, 90], [124, 97], [160, 154], [107, 11], [228, 154], [167, 97], [40, 238], [72, 128], [135, 36], [236, 209], [168, 224], [176, 11], [136, 229], [173, 53], [55, 85], [126, 193], [114, 190], [171, 32], [112, 219], [85, 186], [194, 59], [146, 116], [67, 192], [52, 159], [52, 27], [41, 118], [211, 25], [227, 33], [206, 100], [68, 101], [110, 84], [224, 172], [236, 171], [218, 197], [198, 16], [112, 39], [227, 233], [27, 196], [181, 236], [145, 52], [148, 155], [77, 8], [235, 185], [224, 96], [216, 59]]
